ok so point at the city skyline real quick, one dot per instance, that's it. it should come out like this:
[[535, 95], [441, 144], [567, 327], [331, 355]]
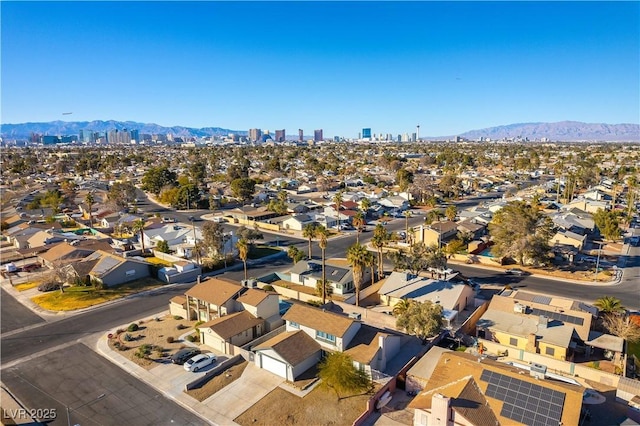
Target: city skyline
[[351, 66]]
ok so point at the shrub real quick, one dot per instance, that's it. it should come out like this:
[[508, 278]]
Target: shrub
[[128, 337], [177, 317], [141, 322], [159, 350], [268, 287], [119, 331], [181, 327], [170, 339], [144, 351], [190, 338], [133, 327]]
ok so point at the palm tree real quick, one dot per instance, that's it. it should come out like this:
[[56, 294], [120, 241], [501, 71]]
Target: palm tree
[[609, 305], [243, 252], [309, 231], [407, 215], [138, 228], [451, 212], [358, 222], [365, 204], [356, 255], [323, 234], [402, 306], [338, 199], [370, 262], [90, 200], [380, 238]]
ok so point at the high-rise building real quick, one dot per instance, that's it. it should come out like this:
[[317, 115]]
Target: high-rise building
[[135, 135], [255, 134], [414, 137], [280, 136], [317, 135], [366, 133], [300, 135]]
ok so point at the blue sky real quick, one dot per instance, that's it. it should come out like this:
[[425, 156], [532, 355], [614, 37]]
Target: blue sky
[[448, 66]]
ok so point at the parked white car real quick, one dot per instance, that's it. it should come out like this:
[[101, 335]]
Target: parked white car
[[198, 362]]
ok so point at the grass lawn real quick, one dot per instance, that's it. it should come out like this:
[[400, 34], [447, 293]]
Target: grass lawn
[[319, 407], [27, 286], [258, 252], [82, 297], [218, 382]]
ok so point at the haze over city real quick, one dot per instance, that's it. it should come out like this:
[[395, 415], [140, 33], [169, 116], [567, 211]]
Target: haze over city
[[449, 67]]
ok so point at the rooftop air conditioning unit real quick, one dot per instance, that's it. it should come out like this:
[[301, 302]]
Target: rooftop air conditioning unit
[[538, 370], [355, 315], [519, 308]]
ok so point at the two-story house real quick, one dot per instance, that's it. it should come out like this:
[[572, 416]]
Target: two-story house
[[437, 234], [308, 273]]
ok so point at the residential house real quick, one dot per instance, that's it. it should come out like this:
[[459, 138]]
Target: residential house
[[297, 222], [437, 234], [568, 238], [288, 354], [465, 389], [308, 273], [62, 253], [175, 234], [550, 326], [108, 269], [234, 329], [589, 206], [261, 304], [472, 228], [210, 299], [452, 296]]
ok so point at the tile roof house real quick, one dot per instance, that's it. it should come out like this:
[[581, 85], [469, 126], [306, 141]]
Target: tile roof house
[[288, 354], [466, 390], [62, 253], [568, 238], [237, 329], [436, 234], [108, 269], [211, 299]]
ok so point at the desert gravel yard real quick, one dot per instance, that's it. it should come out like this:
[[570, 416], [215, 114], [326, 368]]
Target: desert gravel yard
[[319, 407], [155, 334]]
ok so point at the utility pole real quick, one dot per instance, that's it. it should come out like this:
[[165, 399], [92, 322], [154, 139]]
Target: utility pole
[[595, 278]]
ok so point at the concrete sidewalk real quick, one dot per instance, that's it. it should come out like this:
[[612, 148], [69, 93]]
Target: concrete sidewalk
[[220, 408]]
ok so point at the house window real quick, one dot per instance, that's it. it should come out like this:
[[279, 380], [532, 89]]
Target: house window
[[513, 341], [550, 351], [294, 324], [326, 337]]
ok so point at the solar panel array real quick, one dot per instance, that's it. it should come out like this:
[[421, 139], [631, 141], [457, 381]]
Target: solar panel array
[[543, 300], [558, 316], [524, 402]]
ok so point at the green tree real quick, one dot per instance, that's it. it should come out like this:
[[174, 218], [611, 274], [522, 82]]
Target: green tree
[[323, 235], [295, 254], [454, 247], [402, 306], [419, 258], [356, 256], [243, 253], [404, 178], [243, 188], [451, 212], [365, 204], [198, 172], [339, 374], [423, 320], [358, 222], [162, 246], [157, 178], [121, 194], [380, 237], [338, 198], [521, 232], [213, 239], [138, 228], [90, 200], [309, 232], [607, 223], [609, 305]]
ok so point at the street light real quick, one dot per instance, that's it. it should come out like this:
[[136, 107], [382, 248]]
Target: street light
[[70, 410], [595, 278]]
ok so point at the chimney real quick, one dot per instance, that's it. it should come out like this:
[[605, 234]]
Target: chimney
[[440, 410], [531, 344], [543, 321]]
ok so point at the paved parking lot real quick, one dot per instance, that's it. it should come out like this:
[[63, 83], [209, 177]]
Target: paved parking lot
[[95, 390]]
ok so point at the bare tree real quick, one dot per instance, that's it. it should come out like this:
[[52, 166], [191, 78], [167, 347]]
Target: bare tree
[[621, 326]]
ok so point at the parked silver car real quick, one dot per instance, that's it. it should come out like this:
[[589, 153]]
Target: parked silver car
[[198, 362]]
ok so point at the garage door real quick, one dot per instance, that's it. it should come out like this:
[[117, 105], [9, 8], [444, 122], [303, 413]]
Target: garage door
[[274, 366]]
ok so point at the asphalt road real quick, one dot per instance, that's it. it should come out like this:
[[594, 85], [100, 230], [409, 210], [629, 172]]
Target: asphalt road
[[64, 331], [15, 315], [95, 390]]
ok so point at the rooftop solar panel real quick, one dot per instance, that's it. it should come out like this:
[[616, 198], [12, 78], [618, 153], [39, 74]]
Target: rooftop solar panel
[[544, 300]]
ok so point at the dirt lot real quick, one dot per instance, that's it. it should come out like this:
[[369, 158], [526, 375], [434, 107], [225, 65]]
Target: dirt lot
[[223, 379], [319, 407], [153, 333]]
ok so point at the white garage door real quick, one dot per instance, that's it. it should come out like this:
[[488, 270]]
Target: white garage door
[[274, 366]]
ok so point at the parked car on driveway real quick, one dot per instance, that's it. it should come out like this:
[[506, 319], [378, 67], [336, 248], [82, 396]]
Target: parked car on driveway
[[198, 362], [183, 355], [516, 271]]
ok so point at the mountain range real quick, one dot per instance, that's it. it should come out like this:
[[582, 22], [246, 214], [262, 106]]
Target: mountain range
[[569, 131]]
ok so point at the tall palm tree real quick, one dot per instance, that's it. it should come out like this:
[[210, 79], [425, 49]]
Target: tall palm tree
[[358, 222], [323, 235], [309, 231], [609, 305], [138, 228], [356, 255], [338, 199], [365, 204], [370, 262], [380, 238], [243, 252], [402, 306], [90, 200]]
